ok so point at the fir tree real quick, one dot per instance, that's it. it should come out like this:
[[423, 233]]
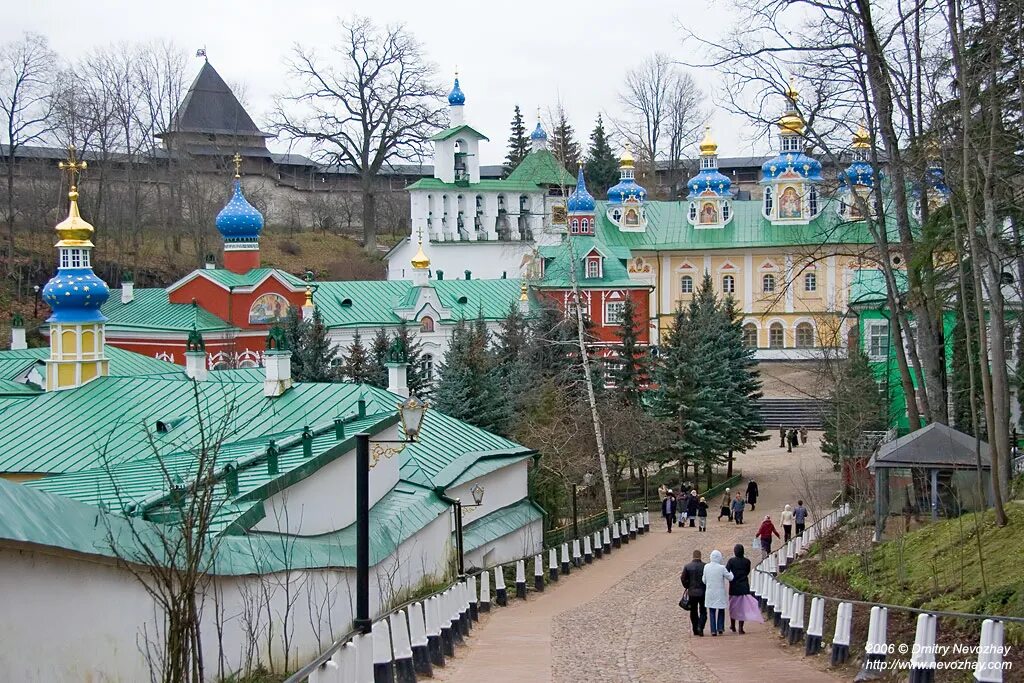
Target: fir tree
[[856, 406], [466, 389], [518, 143], [318, 355], [564, 145], [960, 371], [378, 376], [294, 332], [358, 366], [601, 167], [630, 370], [511, 348], [416, 380], [744, 386]]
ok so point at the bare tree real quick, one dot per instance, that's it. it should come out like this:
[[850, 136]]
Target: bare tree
[[374, 103], [27, 70]]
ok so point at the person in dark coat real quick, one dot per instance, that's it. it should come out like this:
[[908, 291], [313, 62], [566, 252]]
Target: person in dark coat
[[693, 583], [742, 605], [791, 440], [803, 436], [702, 515], [782, 436], [668, 509], [752, 494], [691, 508]]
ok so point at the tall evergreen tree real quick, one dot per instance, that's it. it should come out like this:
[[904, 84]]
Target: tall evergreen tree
[[856, 406], [416, 379], [601, 167], [744, 386], [318, 355], [358, 365], [960, 377], [630, 367], [518, 143], [378, 376], [466, 388], [564, 145], [511, 349], [294, 331]]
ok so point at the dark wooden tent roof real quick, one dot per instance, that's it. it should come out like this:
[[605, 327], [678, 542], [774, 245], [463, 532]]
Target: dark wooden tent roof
[[210, 107], [936, 446]]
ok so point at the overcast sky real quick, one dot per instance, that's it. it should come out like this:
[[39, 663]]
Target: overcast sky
[[529, 53]]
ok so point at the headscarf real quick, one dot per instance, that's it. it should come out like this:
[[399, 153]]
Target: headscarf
[[716, 556], [738, 549], [788, 507]]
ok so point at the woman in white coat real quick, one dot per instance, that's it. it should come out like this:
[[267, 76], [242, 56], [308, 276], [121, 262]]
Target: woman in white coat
[[716, 593]]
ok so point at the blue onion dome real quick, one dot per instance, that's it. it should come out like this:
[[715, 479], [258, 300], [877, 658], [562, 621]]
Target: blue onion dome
[[791, 165], [935, 178], [75, 294], [859, 172], [710, 181], [456, 96], [239, 220], [627, 187], [538, 133], [581, 201]]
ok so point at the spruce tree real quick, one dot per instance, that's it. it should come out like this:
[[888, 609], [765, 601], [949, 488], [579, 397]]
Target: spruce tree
[[378, 376], [511, 348], [318, 355], [601, 167], [855, 406], [358, 366], [416, 380], [518, 143], [960, 372], [564, 145], [744, 387], [294, 332], [466, 388], [630, 363]]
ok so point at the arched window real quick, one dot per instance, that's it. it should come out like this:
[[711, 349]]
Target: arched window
[[725, 211], [767, 201], [693, 211], [427, 367], [804, 336], [426, 324], [776, 336], [584, 226], [812, 201], [750, 335], [575, 225], [810, 282], [686, 284], [768, 283], [728, 284], [616, 215]]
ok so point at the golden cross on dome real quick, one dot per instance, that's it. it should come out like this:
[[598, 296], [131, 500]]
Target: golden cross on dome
[[238, 164], [419, 234], [73, 167]]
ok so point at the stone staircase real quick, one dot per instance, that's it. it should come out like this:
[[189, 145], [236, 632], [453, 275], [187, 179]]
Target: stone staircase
[[792, 412]]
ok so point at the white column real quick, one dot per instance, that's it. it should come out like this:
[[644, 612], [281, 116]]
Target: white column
[[790, 285], [490, 217], [748, 282], [830, 284], [707, 268], [665, 288]]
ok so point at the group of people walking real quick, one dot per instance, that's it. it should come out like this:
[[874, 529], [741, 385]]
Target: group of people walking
[[788, 438], [709, 589], [791, 517], [683, 508]]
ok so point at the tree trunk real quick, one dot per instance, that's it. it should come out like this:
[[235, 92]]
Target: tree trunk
[[10, 210], [728, 472], [369, 216]]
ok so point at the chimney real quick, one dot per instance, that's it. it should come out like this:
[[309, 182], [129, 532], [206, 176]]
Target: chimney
[[211, 263], [127, 288], [277, 360], [195, 357], [440, 275], [18, 333], [469, 275], [398, 378]]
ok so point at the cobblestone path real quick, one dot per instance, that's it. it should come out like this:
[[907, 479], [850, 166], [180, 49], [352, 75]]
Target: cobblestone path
[[617, 619]]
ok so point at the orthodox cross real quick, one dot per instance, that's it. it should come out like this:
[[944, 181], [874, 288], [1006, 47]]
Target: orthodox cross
[[238, 164], [73, 167]]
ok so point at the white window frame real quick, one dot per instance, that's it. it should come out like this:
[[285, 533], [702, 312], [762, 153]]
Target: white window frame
[[877, 333], [766, 280], [769, 201], [729, 288], [744, 328], [781, 329], [593, 267], [613, 313], [810, 282], [684, 281]]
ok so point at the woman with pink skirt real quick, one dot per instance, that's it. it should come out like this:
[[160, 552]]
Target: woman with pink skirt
[[742, 605]]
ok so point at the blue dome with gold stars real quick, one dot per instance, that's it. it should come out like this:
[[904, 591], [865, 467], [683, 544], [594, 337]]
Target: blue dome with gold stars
[[538, 133], [456, 96], [791, 164], [710, 181], [935, 182], [581, 201], [75, 296], [859, 172], [239, 220]]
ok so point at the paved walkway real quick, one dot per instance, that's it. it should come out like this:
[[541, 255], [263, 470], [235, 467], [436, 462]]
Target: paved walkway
[[617, 619]]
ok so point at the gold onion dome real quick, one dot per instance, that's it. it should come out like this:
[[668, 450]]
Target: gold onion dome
[[420, 260], [522, 291], [74, 231], [626, 161], [791, 122], [792, 94], [708, 144], [861, 139]]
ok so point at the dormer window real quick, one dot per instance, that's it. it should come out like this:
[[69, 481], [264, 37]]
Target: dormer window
[[426, 324], [707, 162], [693, 211], [812, 201], [768, 201], [790, 143], [593, 267], [725, 212]]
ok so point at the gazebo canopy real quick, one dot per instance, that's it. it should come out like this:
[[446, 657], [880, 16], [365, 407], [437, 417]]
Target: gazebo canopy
[[936, 446]]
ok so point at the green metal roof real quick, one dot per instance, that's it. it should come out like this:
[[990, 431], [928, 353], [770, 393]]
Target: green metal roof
[[558, 259], [486, 185], [11, 388], [455, 130], [228, 278], [541, 167], [122, 363], [668, 228], [151, 309], [868, 287], [14, 363], [500, 523], [373, 302]]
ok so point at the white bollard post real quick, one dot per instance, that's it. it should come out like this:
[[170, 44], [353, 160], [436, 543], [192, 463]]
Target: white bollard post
[[616, 541], [841, 639], [577, 557], [588, 551], [796, 618], [565, 559], [598, 546], [474, 601], [783, 623], [383, 669], [607, 541], [922, 659], [432, 620], [521, 579], [465, 599], [485, 591], [500, 592], [452, 608], [790, 552], [418, 641], [798, 545], [401, 645], [815, 627], [348, 663], [875, 650], [553, 565], [990, 653], [364, 658], [647, 521], [624, 530], [538, 573], [632, 526], [326, 673]]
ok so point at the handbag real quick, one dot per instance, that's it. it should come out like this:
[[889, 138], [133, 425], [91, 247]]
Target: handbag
[[684, 602]]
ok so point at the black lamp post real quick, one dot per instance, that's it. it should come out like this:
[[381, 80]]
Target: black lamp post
[[478, 500], [411, 413], [35, 307]]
